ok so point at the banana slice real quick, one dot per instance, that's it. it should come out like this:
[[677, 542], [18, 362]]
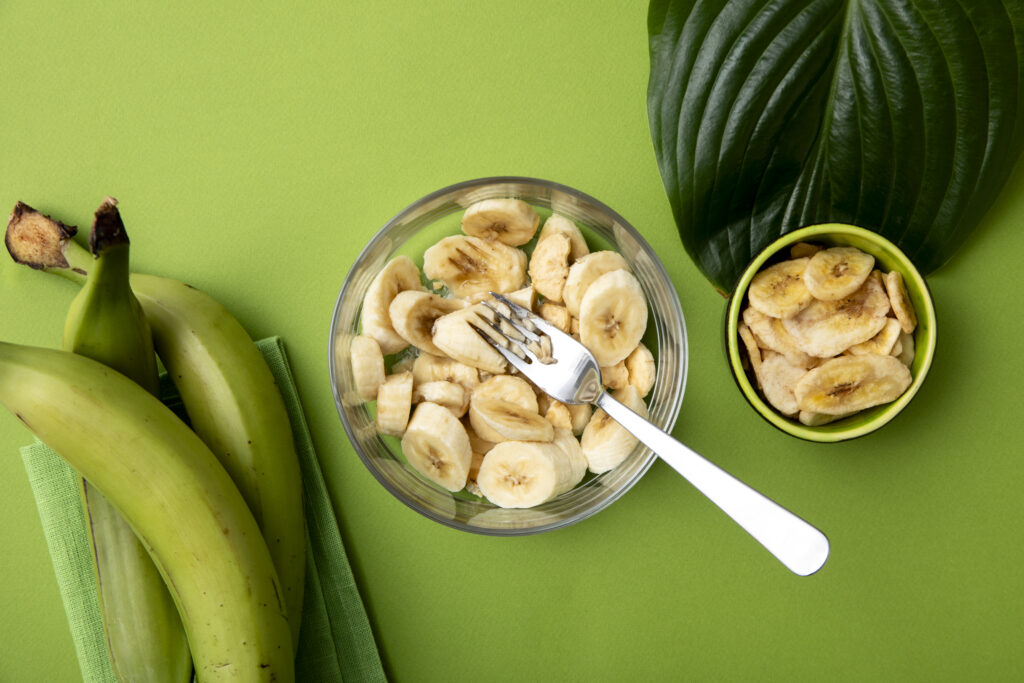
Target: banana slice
[[475, 442], [474, 471], [827, 328], [367, 366], [498, 420], [549, 266], [457, 339], [560, 225], [574, 328], [900, 301], [615, 376], [557, 315], [905, 354], [777, 379], [565, 440], [836, 273], [447, 394], [613, 316], [431, 368], [394, 401], [436, 445], [770, 333], [400, 274], [804, 250], [642, 369], [413, 314], [511, 221], [778, 291], [559, 416], [882, 342], [472, 267], [584, 272], [850, 383], [510, 388], [525, 297], [522, 474], [753, 351], [605, 442]]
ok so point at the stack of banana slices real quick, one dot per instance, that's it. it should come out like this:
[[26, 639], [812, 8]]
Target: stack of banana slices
[[468, 421], [827, 334]]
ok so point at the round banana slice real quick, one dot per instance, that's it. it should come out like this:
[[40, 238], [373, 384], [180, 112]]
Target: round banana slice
[[882, 342], [511, 221], [447, 394], [827, 328], [565, 440], [400, 274], [835, 273], [556, 224], [613, 316], [473, 267], [413, 314], [555, 314], [508, 388], [777, 378], [367, 366], [615, 376], [584, 272], [457, 339], [770, 333], [394, 401], [522, 474], [430, 368], [549, 266], [497, 420], [605, 442], [436, 445], [753, 351], [778, 291], [900, 301], [642, 369], [850, 383]]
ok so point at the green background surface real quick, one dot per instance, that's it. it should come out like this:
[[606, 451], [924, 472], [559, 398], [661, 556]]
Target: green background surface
[[256, 147]]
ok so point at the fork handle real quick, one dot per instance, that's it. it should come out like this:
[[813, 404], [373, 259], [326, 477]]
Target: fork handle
[[797, 544]]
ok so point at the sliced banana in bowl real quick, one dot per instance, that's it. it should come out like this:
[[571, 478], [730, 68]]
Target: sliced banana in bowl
[[847, 358], [475, 437]]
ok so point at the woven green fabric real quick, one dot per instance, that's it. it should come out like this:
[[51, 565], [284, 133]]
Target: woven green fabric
[[335, 641]]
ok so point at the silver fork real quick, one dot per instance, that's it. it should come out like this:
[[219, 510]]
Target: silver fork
[[570, 374]]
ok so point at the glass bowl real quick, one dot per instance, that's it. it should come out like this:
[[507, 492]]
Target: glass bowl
[[887, 257], [410, 233]]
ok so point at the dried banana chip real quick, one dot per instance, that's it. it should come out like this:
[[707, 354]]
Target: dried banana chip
[[804, 250], [827, 328], [779, 291], [753, 352], [770, 333], [778, 378], [836, 273], [851, 383], [900, 301]]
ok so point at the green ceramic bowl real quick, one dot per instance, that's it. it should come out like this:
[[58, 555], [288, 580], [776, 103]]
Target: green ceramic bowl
[[887, 257]]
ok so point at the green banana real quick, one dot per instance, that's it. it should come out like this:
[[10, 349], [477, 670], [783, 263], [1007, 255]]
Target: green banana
[[179, 500], [226, 386], [145, 638]]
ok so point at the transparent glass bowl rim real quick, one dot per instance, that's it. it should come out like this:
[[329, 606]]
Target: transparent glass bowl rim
[[675, 398]]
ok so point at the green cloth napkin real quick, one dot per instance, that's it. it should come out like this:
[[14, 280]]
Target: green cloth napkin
[[335, 640]]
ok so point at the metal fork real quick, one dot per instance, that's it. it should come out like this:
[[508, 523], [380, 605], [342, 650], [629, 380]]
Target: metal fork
[[568, 372]]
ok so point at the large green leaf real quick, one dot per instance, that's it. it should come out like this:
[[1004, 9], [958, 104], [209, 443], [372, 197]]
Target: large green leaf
[[901, 116]]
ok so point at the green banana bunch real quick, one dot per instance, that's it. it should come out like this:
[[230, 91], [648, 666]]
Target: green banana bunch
[[226, 386], [145, 637], [179, 500]]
